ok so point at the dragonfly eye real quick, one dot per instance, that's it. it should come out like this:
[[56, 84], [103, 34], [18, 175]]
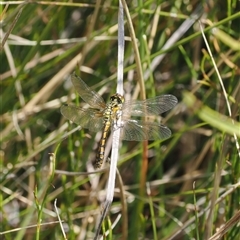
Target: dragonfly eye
[[117, 97]]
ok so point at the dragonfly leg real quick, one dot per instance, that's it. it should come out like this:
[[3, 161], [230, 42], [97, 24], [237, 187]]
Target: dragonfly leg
[[108, 160]]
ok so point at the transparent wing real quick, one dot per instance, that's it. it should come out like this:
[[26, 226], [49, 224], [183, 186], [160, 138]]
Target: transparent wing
[[152, 106], [86, 118], [85, 92], [134, 130]]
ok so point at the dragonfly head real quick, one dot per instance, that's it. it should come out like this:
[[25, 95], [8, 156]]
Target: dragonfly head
[[117, 99]]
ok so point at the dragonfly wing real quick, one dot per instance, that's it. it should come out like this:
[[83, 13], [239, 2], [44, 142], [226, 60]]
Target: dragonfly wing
[[134, 130], [152, 106], [86, 118], [86, 93]]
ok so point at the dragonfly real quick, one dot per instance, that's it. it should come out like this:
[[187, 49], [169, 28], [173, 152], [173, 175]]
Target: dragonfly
[[130, 116]]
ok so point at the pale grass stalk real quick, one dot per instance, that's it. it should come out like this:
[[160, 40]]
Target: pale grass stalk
[[116, 133]]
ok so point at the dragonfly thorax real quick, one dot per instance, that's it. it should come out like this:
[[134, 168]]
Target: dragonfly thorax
[[113, 109]]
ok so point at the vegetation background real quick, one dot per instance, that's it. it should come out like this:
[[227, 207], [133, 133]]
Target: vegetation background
[[186, 188]]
